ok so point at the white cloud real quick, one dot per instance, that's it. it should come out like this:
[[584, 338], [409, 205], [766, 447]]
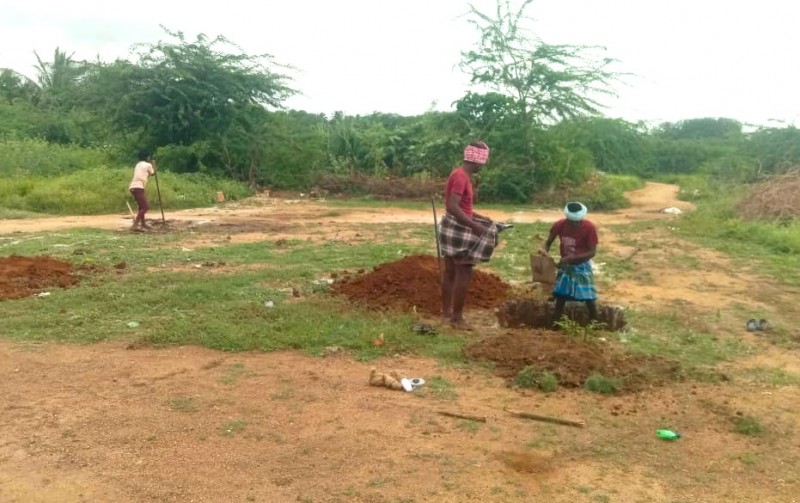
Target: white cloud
[[691, 58]]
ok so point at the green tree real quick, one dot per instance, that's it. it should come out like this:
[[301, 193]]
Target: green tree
[[181, 92], [547, 82]]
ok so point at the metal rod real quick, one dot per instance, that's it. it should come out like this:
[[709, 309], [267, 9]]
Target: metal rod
[[158, 190], [438, 248]]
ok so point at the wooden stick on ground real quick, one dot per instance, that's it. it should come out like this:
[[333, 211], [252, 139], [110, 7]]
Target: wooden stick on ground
[[482, 419], [631, 254], [546, 419]]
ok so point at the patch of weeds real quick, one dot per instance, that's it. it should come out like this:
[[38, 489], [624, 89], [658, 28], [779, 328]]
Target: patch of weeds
[[575, 330], [68, 434], [676, 337], [379, 482], [497, 490], [233, 373], [183, 404], [771, 376], [470, 425], [276, 437], [749, 458], [584, 489], [598, 383], [601, 498], [529, 378], [441, 388], [283, 394], [748, 425], [232, 428]]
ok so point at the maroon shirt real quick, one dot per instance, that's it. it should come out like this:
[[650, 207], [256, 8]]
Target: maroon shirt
[[459, 183], [575, 240]]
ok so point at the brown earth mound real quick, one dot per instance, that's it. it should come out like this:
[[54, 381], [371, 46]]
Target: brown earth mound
[[414, 281], [776, 198], [24, 276], [571, 360]]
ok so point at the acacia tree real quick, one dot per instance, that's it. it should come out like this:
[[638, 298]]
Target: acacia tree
[[185, 92], [547, 82]]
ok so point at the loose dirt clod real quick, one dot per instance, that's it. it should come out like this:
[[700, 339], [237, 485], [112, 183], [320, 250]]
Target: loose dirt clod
[[413, 282], [24, 276], [571, 360]]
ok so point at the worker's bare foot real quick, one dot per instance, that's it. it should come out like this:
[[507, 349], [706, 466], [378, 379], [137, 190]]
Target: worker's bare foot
[[460, 324]]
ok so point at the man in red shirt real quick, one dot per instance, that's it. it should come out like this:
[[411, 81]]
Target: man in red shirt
[[465, 237], [578, 245]]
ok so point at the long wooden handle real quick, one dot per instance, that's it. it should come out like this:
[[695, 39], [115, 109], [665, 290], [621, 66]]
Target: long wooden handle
[[482, 419], [546, 419]]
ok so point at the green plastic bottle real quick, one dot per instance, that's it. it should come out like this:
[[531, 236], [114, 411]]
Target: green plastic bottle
[[668, 434]]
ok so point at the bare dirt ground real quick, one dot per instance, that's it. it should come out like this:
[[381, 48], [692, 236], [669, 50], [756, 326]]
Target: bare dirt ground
[[105, 423]]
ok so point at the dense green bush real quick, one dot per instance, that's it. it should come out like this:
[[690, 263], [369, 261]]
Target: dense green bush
[[39, 158]]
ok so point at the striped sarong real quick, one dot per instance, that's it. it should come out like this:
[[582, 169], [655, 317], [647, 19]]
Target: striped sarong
[[458, 241], [575, 282]]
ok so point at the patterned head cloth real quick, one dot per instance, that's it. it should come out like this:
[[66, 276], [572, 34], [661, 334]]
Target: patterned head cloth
[[478, 155], [575, 211]]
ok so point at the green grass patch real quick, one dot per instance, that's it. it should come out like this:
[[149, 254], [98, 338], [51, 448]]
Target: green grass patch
[[184, 404], [770, 376], [232, 428], [438, 387], [670, 336], [97, 190], [529, 377], [599, 383], [748, 425], [225, 310]]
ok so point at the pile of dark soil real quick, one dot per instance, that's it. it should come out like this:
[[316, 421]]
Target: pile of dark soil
[[24, 276], [413, 282], [570, 359]]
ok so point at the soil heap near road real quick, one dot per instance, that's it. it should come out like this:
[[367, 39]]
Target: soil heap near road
[[414, 281], [24, 276]]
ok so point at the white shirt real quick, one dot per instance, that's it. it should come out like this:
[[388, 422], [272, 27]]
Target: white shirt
[[140, 174]]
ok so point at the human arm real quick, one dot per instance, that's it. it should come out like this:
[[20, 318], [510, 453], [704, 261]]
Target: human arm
[[453, 208], [578, 257]]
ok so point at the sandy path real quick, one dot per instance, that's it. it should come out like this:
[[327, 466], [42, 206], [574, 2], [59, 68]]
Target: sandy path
[[645, 205]]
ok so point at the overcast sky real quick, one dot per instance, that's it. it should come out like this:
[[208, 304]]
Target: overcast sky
[[691, 58]]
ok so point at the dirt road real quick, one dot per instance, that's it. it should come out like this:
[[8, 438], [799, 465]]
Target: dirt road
[[646, 205]]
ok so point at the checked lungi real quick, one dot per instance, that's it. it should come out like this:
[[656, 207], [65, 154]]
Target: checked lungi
[[458, 241], [575, 282]]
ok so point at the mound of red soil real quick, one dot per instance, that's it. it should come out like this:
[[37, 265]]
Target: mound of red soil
[[414, 282], [24, 276], [571, 360]]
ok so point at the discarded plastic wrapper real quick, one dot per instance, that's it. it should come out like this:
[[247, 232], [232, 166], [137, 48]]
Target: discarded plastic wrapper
[[411, 384]]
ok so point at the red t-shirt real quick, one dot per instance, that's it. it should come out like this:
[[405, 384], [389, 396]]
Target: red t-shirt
[[577, 239], [459, 183]]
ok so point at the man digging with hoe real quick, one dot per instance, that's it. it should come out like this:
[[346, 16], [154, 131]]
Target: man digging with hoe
[[465, 237]]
